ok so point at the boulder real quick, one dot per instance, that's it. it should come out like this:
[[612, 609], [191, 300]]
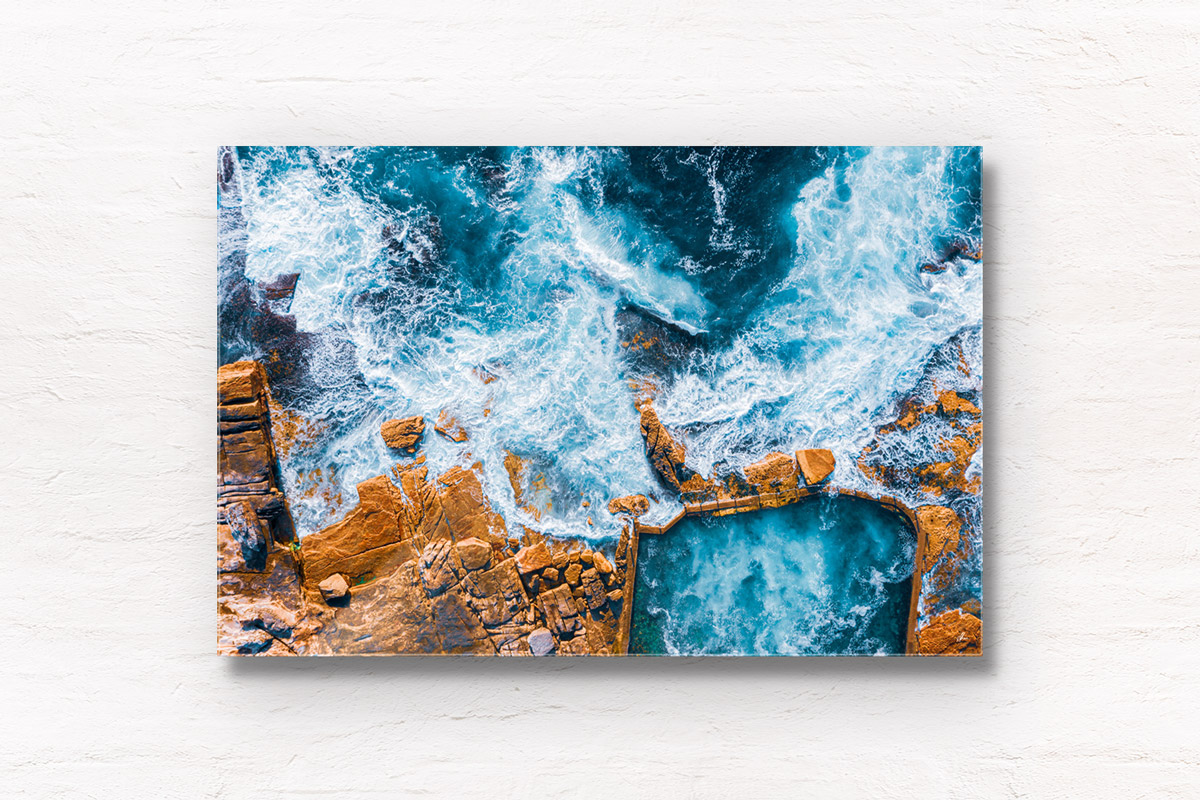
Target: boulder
[[665, 454], [334, 587], [953, 633], [550, 575], [533, 558], [772, 473], [633, 505], [403, 434], [593, 589], [601, 563], [573, 572], [541, 642], [362, 543], [474, 553], [816, 465]]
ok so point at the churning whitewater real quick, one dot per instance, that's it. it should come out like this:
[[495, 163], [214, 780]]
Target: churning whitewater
[[771, 298]]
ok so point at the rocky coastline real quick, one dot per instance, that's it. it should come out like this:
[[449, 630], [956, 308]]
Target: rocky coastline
[[419, 565], [424, 565]]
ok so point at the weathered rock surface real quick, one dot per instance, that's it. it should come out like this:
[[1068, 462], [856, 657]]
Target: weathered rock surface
[[403, 434], [534, 558], [474, 553], [365, 543], [774, 472], [953, 633], [334, 587], [666, 455], [468, 514], [815, 464], [944, 408], [261, 609], [941, 527], [633, 505]]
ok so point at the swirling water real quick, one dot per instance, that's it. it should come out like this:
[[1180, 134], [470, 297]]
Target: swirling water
[[780, 288], [830, 575]]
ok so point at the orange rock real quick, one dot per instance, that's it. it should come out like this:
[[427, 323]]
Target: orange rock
[[698, 484], [334, 587], [772, 473], [942, 528], [533, 558], [953, 633], [358, 545], [666, 455], [240, 382], [952, 404], [514, 465], [602, 564], [817, 465], [467, 511], [447, 425], [403, 434], [474, 553], [634, 505]]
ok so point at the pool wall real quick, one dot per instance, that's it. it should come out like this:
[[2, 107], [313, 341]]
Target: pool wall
[[920, 520]]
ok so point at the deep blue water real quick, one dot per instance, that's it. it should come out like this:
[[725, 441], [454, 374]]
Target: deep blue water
[[824, 576], [781, 287]]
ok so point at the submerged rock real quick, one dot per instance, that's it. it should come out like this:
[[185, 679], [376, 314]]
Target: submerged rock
[[448, 425]]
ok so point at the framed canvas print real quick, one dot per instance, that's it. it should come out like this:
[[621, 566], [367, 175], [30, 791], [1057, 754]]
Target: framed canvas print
[[550, 401]]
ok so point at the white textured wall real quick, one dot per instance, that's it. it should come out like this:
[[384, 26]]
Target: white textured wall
[[110, 116]]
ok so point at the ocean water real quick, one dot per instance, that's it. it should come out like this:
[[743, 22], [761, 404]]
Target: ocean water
[[779, 289], [825, 576]]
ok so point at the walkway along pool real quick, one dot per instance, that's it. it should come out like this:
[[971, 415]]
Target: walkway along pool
[[828, 575]]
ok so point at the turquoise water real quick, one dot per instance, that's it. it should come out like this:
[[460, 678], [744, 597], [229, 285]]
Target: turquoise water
[[822, 577]]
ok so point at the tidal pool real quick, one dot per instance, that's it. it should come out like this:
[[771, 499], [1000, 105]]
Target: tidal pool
[[826, 576]]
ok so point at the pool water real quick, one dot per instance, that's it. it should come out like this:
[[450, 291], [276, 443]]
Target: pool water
[[826, 576]]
